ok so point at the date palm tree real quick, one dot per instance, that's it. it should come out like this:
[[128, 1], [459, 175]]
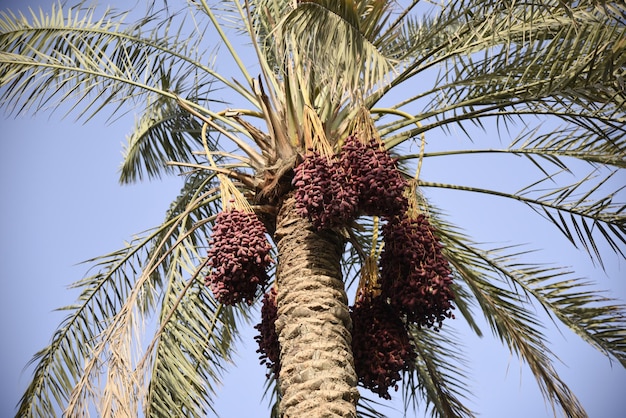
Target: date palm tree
[[309, 72]]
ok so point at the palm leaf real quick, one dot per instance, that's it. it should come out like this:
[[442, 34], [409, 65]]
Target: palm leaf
[[195, 332], [163, 133], [114, 306], [568, 213], [352, 62], [59, 365], [508, 313], [69, 57], [439, 377], [552, 149], [519, 70], [369, 408], [570, 142], [596, 318], [120, 333]]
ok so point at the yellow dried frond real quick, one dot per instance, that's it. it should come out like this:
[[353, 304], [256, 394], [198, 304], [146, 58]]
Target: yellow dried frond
[[417, 203], [314, 134], [364, 128], [416, 200], [232, 198], [368, 283]]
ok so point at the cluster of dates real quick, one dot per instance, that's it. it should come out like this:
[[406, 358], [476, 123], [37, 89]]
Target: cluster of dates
[[239, 255], [381, 345], [267, 339], [322, 193], [415, 276], [375, 177], [413, 290], [361, 179]]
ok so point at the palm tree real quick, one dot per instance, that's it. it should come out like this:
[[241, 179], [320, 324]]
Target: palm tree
[[307, 75]]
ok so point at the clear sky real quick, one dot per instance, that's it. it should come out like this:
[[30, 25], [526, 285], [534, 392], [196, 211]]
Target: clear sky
[[61, 204]]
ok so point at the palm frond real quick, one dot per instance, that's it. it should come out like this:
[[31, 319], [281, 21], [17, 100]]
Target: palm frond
[[369, 408], [578, 59], [439, 378], [115, 305], [351, 62], [553, 148], [596, 318], [576, 216], [236, 11], [59, 365], [459, 28], [70, 57], [163, 133], [193, 328], [590, 146], [508, 312], [601, 215], [568, 63]]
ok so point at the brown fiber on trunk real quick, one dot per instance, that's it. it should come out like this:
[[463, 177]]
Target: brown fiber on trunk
[[317, 377]]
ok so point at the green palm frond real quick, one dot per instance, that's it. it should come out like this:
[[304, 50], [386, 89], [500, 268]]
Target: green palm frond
[[577, 60], [570, 209], [569, 67], [114, 306], [596, 318], [70, 57], [60, 364], [234, 16], [568, 141], [264, 17], [554, 147], [590, 211], [510, 316], [439, 378], [163, 133], [457, 29], [193, 329], [330, 32], [369, 408]]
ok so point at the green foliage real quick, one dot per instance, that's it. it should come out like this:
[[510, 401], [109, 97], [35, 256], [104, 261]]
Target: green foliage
[[421, 71]]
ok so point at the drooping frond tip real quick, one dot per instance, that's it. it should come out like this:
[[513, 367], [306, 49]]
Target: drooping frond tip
[[334, 47]]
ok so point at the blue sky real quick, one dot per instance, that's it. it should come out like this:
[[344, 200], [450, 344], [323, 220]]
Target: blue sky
[[62, 204]]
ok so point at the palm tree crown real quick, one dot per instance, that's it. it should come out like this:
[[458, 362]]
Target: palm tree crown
[[304, 79]]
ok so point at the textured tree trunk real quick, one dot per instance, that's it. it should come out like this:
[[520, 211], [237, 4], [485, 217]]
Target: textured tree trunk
[[317, 377]]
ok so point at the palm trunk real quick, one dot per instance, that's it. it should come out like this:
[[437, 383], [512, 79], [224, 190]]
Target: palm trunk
[[317, 377]]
